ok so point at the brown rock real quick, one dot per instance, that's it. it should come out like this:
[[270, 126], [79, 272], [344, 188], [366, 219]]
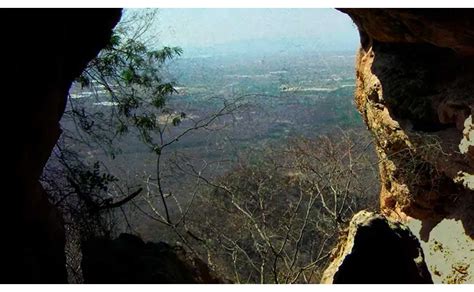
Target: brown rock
[[415, 79]]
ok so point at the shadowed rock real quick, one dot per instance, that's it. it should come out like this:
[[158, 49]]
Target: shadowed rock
[[377, 250], [129, 260], [43, 51]]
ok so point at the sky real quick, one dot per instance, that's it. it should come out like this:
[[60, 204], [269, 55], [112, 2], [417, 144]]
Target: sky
[[316, 28]]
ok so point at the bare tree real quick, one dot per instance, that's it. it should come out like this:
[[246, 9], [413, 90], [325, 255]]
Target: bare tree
[[276, 219], [272, 218]]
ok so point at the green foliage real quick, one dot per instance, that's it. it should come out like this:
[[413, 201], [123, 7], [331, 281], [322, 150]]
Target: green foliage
[[130, 71], [93, 179], [128, 76]]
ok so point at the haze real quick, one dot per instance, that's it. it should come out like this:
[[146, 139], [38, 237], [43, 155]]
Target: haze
[[225, 31]]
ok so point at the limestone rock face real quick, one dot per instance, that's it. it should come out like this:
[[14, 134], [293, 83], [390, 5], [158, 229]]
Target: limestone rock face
[[129, 260], [377, 250], [415, 91], [43, 51]]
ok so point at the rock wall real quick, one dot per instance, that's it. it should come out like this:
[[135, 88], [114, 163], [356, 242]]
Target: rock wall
[[415, 91], [43, 51]]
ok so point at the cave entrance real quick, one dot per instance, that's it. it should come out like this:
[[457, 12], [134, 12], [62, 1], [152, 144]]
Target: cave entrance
[[242, 140]]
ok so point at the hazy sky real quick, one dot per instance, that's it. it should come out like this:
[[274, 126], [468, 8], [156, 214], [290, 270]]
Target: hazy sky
[[204, 27], [208, 27]]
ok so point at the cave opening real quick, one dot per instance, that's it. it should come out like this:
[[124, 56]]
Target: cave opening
[[228, 132], [270, 213]]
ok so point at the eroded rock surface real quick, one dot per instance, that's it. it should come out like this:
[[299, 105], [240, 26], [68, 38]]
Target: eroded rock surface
[[415, 91], [377, 250]]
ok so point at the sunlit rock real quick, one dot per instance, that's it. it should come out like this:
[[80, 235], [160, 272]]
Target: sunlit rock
[[449, 252]]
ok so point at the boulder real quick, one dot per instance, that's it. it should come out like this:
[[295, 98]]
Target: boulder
[[377, 250]]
